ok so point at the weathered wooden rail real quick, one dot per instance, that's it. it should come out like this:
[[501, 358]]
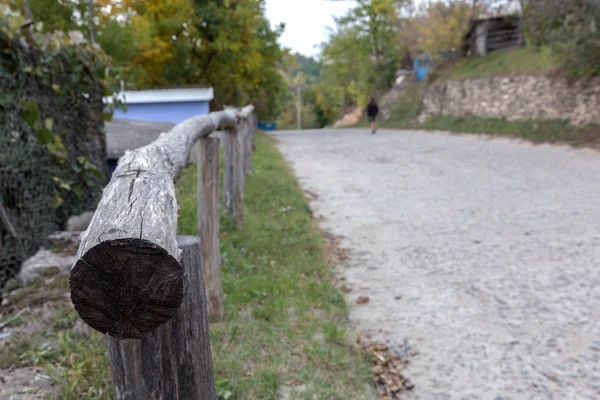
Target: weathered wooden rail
[[129, 281]]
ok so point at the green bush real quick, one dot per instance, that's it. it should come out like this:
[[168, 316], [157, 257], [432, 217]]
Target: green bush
[[571, 28]]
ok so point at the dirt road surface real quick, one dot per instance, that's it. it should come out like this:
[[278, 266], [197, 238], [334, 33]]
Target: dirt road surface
[[482, 255]]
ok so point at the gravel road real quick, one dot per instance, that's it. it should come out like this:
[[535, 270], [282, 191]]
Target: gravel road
[[479, 254]]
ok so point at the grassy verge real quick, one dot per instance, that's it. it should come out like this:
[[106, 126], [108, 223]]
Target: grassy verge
[[49, 335], [522, 61], [285, 326], [551, 131], [284, 335]]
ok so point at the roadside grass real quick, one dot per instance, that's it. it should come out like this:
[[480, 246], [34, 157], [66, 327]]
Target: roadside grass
[[285, 331], [48, 334], [535, 131], [521, 61]]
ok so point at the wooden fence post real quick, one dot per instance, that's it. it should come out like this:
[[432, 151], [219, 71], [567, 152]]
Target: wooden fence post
[[253, 120], [174, 361], [248, 145], [234, 180], [228, 138], [208, 224], [239, 177]]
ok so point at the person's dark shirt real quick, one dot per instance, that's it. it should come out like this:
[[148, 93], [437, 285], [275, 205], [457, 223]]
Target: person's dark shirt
[[372, 109]]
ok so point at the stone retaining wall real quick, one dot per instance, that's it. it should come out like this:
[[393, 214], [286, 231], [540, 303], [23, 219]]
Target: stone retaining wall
[[518, 97]]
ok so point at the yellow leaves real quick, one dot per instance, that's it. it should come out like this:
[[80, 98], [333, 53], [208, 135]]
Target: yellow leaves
[[441, 25], [153, 58]]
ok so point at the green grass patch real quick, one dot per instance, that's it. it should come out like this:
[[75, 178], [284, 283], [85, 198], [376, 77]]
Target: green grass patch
[[285, 320], [540, 131], [521, 61], [49, 335]]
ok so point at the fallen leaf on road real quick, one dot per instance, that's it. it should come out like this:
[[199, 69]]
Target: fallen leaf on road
[[378, 370], [387, 370], [311, 194], [362, 300]]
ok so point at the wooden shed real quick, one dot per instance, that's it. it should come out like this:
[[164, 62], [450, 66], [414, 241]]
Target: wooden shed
[[491, 34]]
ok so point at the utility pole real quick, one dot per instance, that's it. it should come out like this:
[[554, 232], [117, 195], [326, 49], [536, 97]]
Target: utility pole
[[92, 26], [298, 108], [27, 7]]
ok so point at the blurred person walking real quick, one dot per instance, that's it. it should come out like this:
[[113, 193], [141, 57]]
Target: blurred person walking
[[372, 111]]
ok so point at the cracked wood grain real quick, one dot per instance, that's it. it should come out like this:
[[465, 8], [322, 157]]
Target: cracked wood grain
[[174, 361], [208, 224], [128, 280]]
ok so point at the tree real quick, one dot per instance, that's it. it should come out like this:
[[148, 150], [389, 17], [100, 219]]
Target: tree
[[237, 51], [570, 28], [441, 25]]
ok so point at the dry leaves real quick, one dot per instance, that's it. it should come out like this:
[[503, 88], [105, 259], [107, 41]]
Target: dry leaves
[[311, 195], [387, 371], [336, 254], [362, 300], [345, 289]]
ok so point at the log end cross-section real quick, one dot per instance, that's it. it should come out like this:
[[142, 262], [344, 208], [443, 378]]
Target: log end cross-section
[[126, 287]]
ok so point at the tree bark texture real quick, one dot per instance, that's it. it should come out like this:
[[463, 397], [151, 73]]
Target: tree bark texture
[[174, 361], [127, 280], [208, 224]]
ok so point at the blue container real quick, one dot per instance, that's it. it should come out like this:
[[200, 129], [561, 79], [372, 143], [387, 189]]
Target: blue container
[[267, 126], [422, 66]]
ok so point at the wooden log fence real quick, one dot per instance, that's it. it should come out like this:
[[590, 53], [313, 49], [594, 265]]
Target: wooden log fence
[[129, 280]]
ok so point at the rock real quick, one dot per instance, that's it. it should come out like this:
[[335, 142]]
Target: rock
[[66, 242], [24, 383], [44, 260], [78, 223]]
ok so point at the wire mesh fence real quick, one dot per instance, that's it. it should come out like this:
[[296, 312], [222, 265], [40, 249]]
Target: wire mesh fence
[[52, 145]]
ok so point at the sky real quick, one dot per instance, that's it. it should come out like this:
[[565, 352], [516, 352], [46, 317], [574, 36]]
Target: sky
[[306, 21]]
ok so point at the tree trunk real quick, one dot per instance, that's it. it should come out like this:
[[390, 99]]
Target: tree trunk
[[208, 224], [174, 361], [127, 280]]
